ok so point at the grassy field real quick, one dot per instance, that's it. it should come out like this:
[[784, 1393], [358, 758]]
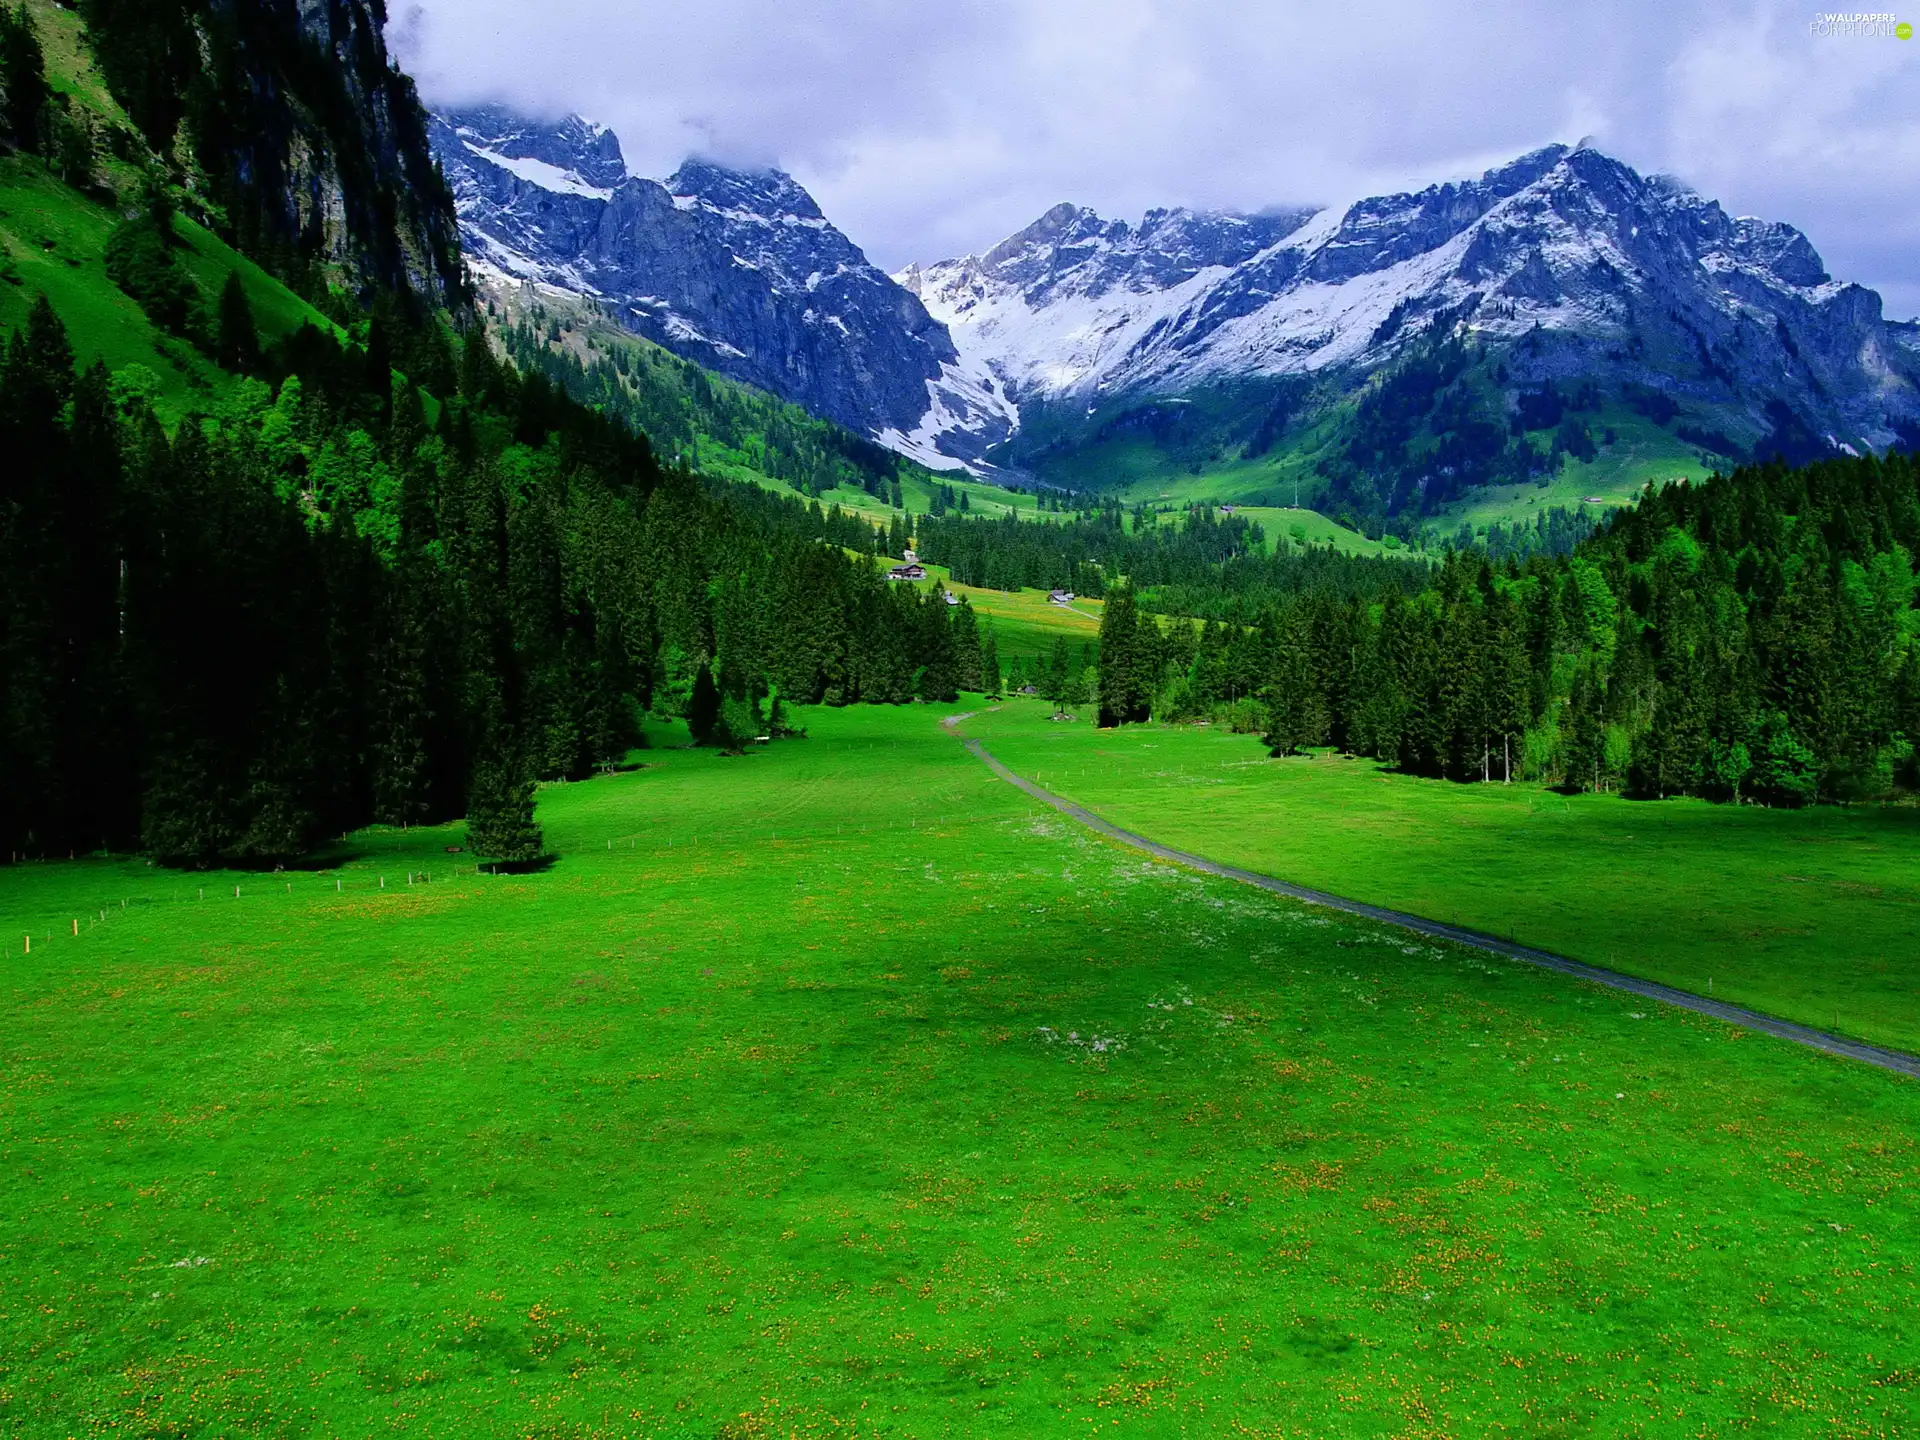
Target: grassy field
[[839, 1090], [1314, 529], [1025, 622], [1814, 915]]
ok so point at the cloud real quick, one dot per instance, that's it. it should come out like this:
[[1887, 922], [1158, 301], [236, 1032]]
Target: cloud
[[931, 130]]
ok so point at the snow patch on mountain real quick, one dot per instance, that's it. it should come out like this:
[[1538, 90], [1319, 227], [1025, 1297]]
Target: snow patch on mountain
[[737, 270], [1562, 240], [539, 172]]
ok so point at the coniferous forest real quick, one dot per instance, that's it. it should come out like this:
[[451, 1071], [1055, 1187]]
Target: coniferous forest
[[316, 608], [1754, 637]]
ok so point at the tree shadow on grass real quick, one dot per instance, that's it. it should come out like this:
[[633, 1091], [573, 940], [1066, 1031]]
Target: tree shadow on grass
[[539, 865]]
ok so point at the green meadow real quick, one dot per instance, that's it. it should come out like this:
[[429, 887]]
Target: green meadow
[[838, 1089], [1813, 914]]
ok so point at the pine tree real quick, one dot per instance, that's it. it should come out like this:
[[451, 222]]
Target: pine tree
[[939, 661], [24, 92], [1059, 686], [236, 341], [500, 823], [1125, 655], [703, 707], [1509, 676], [968, 657], [990, 664], [1296, 713]]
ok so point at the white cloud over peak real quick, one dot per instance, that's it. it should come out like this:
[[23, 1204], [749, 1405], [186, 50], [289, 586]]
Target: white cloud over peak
[[932, 130]]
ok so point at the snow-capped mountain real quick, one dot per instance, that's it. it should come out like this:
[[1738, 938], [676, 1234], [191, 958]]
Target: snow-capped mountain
[[1652, 282], [1567, 263], [736, 270]]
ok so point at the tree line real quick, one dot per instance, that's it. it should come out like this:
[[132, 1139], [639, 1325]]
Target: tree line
[[1201, 563], [1751, 637], [338, 598]]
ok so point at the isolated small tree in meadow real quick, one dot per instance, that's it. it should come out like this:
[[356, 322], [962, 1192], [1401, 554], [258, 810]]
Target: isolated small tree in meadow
[[1061, 688], [703, 706], [500, 823]]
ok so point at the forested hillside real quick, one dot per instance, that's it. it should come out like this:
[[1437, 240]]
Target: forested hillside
[[372, 574], [1752, 637], [689, 413]]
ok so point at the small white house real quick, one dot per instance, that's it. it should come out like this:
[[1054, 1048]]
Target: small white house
[[1060, 597]]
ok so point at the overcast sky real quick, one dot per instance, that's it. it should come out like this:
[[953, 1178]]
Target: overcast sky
[[931, 128]]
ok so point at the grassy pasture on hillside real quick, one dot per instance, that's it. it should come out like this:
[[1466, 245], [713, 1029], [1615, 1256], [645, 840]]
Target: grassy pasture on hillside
[[1025, 622], [1813, 914], [52, 240], [838, 1089], [1642, 454]]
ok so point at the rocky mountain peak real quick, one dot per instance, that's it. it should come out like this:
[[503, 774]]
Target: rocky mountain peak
[[769, 194], [573, 145], [1645, 274], [734, 268]]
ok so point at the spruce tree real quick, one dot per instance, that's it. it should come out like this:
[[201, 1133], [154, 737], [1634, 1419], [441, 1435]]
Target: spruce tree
[[1296, 714], [703, 707], [969, 666], [500, 823], [24, 92], [236, 341], [1124, 659]]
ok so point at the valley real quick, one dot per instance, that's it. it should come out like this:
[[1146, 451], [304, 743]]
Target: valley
[[542, 711]]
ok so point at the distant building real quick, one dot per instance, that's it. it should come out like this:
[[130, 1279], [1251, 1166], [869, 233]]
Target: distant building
[[907, 572], [909, 556], [1060, 597], [952, 599], [1226, 509]]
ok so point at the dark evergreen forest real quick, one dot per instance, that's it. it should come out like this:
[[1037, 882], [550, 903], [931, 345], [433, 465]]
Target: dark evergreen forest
[[317, 608], [1751, 637]]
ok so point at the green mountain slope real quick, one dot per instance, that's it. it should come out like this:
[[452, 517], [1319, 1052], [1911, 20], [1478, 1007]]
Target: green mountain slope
[[55, 221], [1441, 439], [718, 426]]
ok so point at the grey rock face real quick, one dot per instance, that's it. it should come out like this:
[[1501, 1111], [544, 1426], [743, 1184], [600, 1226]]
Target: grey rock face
[[738, 271], [1569, 262], [1603, 273]]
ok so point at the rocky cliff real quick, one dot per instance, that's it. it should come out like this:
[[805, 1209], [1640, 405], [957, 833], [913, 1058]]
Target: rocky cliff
[[1610, 276], [737, 270], [310, 144]]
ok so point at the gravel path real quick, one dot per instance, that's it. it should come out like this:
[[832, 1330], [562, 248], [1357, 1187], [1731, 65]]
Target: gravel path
[[1896, 1060]]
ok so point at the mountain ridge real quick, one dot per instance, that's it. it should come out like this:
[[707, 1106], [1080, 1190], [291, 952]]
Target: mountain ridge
[[737, 270], [1563, 239], [1563, 266]]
